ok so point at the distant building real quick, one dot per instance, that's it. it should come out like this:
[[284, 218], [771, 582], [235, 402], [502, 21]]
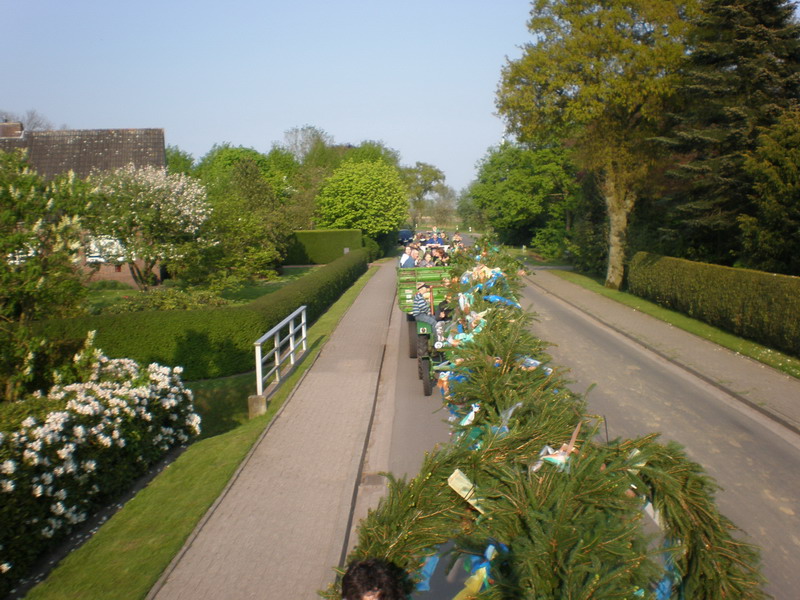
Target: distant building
[[51, 153]]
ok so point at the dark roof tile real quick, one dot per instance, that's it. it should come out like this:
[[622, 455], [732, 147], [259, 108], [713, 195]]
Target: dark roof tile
[[51, 153]]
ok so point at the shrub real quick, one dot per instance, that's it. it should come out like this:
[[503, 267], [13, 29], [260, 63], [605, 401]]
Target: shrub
[[214, 342], [321, 246], [167, 299], [100, 432], [759, 306]]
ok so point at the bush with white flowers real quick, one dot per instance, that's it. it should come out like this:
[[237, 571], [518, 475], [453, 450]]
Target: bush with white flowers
[[115, 423]]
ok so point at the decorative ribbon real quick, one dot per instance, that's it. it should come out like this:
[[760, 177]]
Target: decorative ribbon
[[461, 484]]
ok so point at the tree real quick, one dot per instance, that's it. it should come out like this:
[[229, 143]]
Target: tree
[[597, 77], [278, 168], [371, 151], [772, 235], [516, 188], [741, 74], [179, 161], [250, 226], [421, 180], [369, 196], [301, 140], [31, 120], [40, 243], [443, 205], [156, 216]]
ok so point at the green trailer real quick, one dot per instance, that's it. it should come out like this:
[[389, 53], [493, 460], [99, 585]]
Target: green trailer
[[407, 280]]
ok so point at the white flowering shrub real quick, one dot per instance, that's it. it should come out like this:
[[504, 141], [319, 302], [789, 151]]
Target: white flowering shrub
[[116, 422]]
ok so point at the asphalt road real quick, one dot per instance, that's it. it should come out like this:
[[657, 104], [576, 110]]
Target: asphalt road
[[754, 460]]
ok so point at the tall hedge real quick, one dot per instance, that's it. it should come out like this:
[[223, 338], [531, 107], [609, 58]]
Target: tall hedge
[[321, 246], [762, 307], [216, 342]]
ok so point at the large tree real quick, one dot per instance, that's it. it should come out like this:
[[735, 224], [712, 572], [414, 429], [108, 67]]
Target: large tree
[[597, 76], [772, 234], [369, 196], [421, 180], [741, 73]]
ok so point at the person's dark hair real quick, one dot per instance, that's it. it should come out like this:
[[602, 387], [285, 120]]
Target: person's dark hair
[[374, 579]]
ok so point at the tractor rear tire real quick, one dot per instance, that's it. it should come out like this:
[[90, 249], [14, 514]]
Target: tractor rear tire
[[412, 339], [427, 382]]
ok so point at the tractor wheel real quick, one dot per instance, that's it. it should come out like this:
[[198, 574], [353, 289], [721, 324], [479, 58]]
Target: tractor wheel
[[427, 382], [412, 339], [422, 345]]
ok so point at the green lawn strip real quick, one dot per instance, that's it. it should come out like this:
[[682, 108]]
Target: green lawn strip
[[127, 555], [777, 360]]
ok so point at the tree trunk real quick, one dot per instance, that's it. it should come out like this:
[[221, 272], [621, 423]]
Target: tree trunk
[[620, 200]]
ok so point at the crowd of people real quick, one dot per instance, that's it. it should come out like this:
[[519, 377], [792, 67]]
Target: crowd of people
[[430, 250]]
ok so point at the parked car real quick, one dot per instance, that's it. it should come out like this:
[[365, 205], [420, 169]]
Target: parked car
[[404, 236]]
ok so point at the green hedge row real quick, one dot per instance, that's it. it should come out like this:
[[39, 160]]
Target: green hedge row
[[215, 342], [762, 307], [321, 246]]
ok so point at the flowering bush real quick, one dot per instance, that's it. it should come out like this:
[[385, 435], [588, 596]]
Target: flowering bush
[[115, 423]]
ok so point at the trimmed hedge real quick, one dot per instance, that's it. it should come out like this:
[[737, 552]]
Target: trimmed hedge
[[762, 307], [215, 342], [321, 246]]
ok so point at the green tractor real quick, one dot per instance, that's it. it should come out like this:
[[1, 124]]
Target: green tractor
[[420, 333]]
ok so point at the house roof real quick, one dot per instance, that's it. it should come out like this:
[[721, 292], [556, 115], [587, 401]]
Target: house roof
[[51, 153]]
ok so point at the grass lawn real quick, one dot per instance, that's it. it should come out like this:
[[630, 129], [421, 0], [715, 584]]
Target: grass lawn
[[258, 289], [777, 360], [125, 558]]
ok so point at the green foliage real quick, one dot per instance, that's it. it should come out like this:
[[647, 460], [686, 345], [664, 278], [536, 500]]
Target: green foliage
[[421, 181], [108, 422], [108, 284], [369, 196], [772, 236], [372, 248], [742, 72], [213, 342], [755, 305], [179, 161], [520, 190], [39, 245], [372, 151], [321, 246], [167, 299], [251, 227], [597, 78]]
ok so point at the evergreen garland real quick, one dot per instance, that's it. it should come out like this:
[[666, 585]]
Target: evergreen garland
[[534, 505]]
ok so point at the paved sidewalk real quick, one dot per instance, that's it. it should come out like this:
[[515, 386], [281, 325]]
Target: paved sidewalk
[[280, 526], [763, 388]]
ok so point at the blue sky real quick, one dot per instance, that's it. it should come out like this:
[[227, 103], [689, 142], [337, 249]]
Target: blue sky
[[418, 75]]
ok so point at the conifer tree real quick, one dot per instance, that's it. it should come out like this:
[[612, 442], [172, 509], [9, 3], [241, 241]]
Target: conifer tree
[[741, 73]]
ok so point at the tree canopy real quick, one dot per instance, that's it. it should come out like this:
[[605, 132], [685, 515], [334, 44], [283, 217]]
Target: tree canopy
[[155, 215], [369, 196], [597, 76], [39, 242]]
